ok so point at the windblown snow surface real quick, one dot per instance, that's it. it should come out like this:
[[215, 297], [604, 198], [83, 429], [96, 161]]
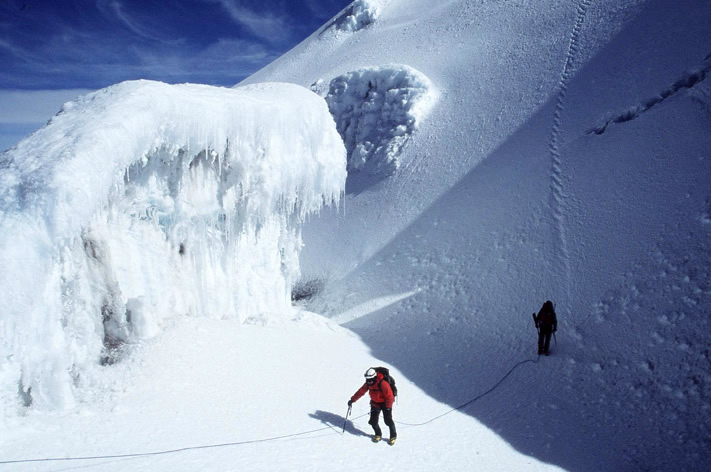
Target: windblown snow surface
[[567, 158], [528, 150]]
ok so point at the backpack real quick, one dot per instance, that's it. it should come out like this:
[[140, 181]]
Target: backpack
[[546, 316], [388, 378]]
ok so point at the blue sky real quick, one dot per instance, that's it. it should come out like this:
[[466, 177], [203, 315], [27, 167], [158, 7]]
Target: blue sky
[[53, 50]]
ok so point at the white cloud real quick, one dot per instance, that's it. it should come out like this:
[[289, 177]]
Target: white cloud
[[114, 10], [267, 26], [34, 106], [24, 111], [117, 10], [15, 51], [238, 51]]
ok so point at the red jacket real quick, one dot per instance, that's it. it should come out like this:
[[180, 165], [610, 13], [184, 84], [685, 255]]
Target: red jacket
[[380, 392]]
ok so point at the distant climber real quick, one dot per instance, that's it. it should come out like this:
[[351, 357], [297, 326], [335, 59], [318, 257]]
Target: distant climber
[[381, 399], [547, 324]]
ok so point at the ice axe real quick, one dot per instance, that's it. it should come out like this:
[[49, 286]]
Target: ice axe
[[346, 420]]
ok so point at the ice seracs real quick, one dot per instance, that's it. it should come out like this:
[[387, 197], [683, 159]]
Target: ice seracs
[[377, 109], [144, 201], [358, 15]]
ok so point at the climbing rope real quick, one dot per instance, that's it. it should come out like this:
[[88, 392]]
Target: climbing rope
[[169, 451], [255, 441], [466, 404], [173, 451]]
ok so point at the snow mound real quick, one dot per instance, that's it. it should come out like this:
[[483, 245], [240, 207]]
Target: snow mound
[[377, 109], [145, 201], [359, 14]]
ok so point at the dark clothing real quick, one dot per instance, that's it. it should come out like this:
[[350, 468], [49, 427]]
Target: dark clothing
[[547, 324], [544, 341], [381, 399], [375, 409]]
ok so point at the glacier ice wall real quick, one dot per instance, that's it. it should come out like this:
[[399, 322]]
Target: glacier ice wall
[[377, 109], [145, 201]]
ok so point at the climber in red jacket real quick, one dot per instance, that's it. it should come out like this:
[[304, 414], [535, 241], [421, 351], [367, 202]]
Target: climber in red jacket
[[381, 399]]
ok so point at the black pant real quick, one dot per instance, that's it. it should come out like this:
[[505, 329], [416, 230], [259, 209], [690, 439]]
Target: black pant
[[375, 409], [544, 339]]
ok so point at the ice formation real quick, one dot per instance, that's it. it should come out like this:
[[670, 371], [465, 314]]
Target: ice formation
[[145, 201], [359, 15], [376, 110]]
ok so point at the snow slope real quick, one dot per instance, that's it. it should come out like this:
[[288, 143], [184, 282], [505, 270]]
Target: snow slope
[[197, 398], [563, 155], [566, 159]]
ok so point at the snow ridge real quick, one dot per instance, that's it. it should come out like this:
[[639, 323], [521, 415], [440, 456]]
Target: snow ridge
[[688, 81], [558, 194]]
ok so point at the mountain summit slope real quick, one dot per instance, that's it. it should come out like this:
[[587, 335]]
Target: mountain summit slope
[[566, 158], [493, 155]]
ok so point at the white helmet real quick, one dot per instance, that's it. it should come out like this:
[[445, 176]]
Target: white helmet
[[370, 374]]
